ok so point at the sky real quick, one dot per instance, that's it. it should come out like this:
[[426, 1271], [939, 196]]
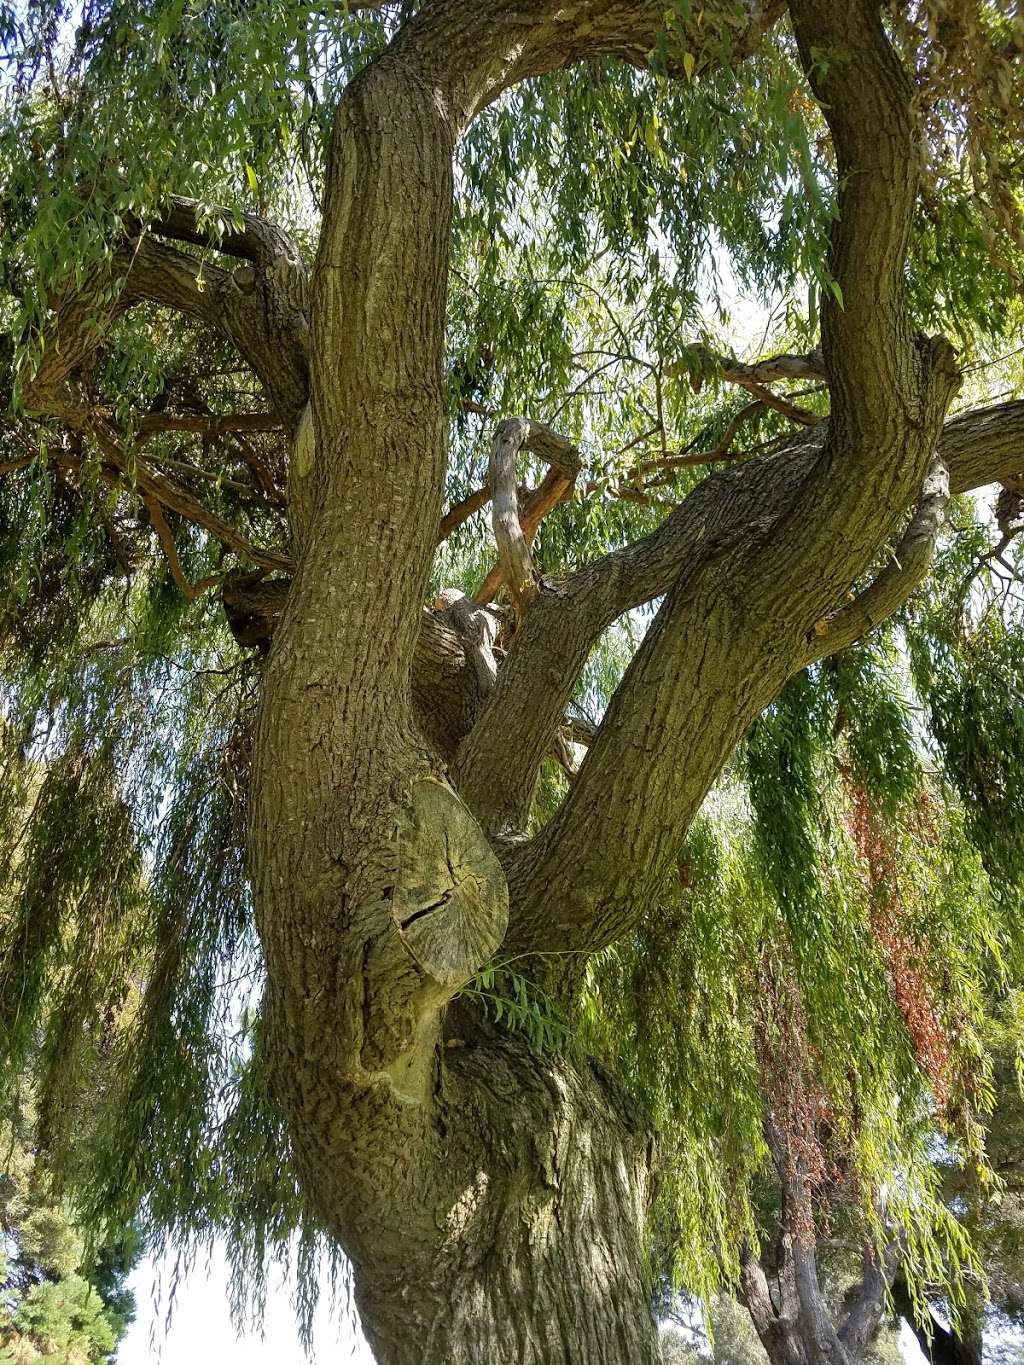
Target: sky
[[201, 1331]]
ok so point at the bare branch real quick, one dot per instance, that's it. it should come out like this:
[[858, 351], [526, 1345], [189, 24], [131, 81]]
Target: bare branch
[[775, 368], [513, 550], [190, 589], [554, 488], [549, 652], [132, 474], [462, 511], [202, 425]]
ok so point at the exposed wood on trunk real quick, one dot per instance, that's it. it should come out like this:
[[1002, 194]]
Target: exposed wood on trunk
[[513, 547], [353, 1013]]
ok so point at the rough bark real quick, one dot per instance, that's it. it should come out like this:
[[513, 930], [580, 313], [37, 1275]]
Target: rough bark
[[377, 892], [543, 1258], [377, 886]]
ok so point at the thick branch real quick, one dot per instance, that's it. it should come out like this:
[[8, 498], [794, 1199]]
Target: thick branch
[[777, 1329], [905, 571], [499, 760], [864, 1312], [260, 309], [150, 271], [883, 382], [734, 624], [240, 234]]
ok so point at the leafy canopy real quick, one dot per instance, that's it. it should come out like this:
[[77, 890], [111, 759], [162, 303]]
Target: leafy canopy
[[849, 904]]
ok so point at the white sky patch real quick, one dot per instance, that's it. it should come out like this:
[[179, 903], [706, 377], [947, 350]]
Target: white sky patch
[[912, 1352], [201, 1331]]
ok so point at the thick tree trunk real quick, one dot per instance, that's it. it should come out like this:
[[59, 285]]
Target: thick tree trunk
[[493, 1201], [543, 1258]]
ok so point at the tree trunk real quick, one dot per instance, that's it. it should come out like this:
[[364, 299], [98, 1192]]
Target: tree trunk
[[939, 1345], [494, 1200], [544, 1258], [777, 1326]]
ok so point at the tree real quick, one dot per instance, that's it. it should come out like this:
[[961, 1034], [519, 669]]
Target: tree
[[364, 779], [735, 1340], [56, 1303], [992, 1213]]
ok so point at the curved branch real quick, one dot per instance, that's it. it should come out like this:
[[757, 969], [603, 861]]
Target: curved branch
[[553, 489], [886, 385], [499, 759], [240, 234], [150, 272], [905, 571], [734, 624], [260, 309]]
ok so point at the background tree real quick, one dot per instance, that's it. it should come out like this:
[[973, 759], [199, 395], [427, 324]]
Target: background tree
[[58, 1303], [989, 1326], [509, 1035]]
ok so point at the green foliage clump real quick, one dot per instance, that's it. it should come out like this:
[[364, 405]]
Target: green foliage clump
[[60, 1302]]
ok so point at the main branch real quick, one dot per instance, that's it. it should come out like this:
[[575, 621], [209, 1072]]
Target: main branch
[[735, 623]]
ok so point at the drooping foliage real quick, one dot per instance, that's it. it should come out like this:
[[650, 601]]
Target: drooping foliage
[[846, 912]]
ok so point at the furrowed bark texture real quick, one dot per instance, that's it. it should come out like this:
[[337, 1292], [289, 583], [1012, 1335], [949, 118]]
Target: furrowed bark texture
[[543, 1257], [494, 1201]]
